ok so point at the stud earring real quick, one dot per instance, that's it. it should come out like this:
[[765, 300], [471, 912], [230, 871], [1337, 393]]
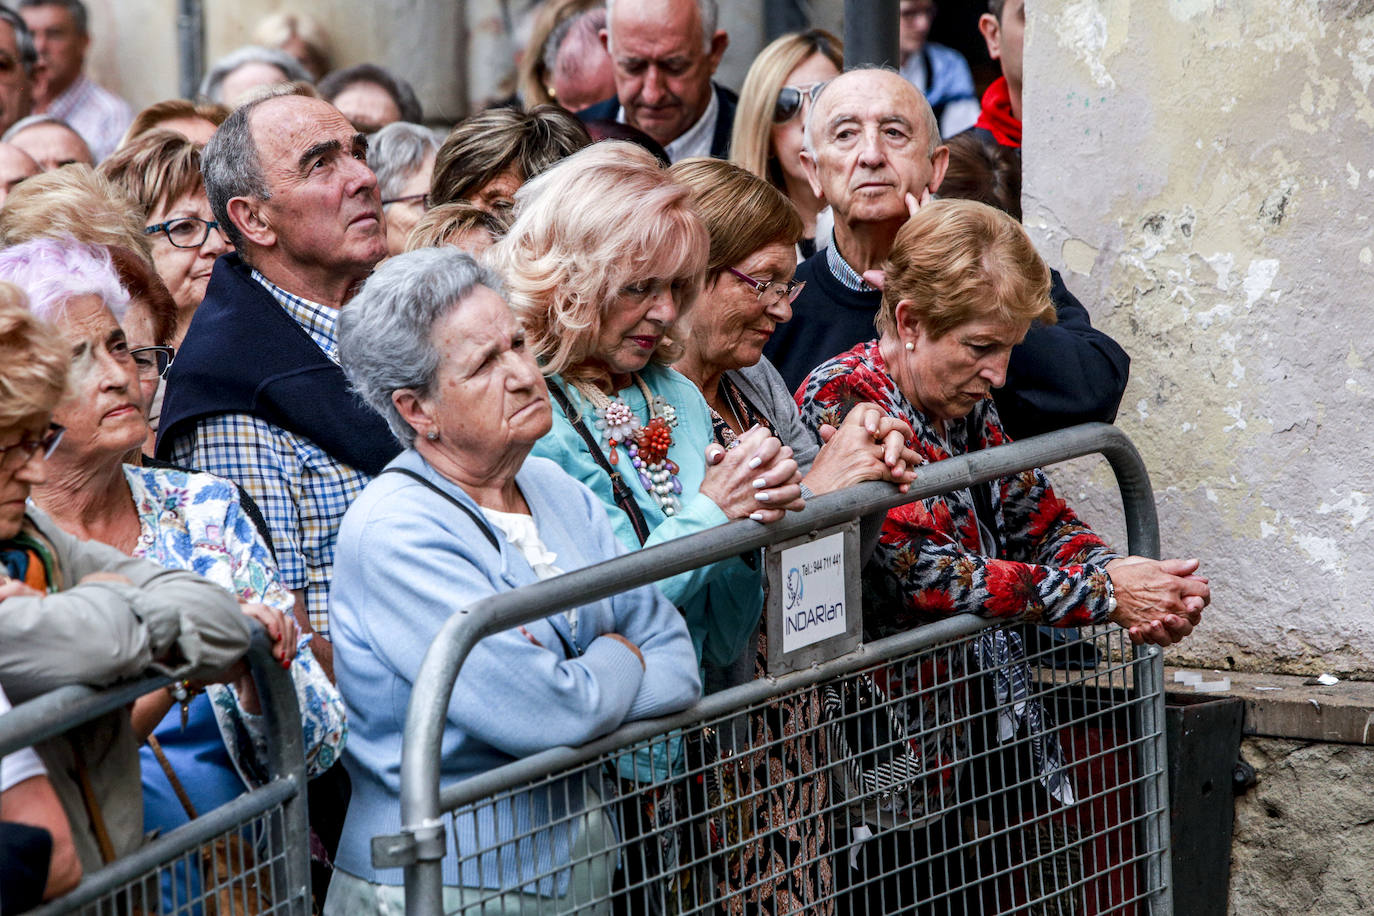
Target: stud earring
[[432, 436], [910, 345]]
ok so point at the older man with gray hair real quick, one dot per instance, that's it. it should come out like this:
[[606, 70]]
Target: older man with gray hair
[[256, 393], [873, 153], [62, 37], [664, 53]]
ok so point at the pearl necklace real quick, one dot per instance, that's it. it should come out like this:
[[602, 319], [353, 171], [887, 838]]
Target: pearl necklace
[[647, 444]]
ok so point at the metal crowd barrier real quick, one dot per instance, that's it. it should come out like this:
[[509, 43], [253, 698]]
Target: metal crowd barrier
[[797, 793], [263, 835]]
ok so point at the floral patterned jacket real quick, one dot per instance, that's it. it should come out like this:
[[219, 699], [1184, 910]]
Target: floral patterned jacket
[[1027, 557], [1023, 555], [194, 521]]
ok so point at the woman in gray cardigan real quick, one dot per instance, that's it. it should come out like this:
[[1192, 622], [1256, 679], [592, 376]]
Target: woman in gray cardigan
[[80, 612]]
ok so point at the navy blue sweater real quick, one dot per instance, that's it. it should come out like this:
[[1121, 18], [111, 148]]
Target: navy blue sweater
[[244, 354]]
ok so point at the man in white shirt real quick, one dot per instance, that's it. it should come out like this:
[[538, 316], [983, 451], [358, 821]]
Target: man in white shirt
[[61, 89], [665, 53]]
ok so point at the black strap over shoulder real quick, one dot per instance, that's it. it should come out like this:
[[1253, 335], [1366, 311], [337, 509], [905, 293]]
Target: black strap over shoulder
[[477, 519], [623, 497]]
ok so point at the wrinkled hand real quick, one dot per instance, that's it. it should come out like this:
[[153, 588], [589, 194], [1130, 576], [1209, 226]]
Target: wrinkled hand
[[1158, 601], [281, 629], [13, 588], [869, 445], [756, 479], [877, 278]]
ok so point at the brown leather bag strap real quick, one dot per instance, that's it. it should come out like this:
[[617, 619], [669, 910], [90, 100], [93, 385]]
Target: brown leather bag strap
[[171, 775], [97, 817]]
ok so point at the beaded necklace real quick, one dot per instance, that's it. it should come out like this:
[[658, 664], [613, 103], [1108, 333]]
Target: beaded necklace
[[647, 444]]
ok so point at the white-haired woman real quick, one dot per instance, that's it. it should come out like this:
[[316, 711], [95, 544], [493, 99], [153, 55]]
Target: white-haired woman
[[402, 155], [212, 741], [464, 513]]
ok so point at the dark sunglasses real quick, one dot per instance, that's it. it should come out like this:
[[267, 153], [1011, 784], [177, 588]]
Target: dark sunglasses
[[791, 99]]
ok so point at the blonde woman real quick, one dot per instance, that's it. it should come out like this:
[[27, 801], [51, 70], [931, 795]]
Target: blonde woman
[[767, 139]]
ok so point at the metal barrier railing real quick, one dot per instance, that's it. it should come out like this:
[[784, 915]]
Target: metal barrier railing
[[568, 786], [263, 834]]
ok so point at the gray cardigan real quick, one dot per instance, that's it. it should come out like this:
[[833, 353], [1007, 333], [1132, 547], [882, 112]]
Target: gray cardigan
[[169, 621], [763, 385]]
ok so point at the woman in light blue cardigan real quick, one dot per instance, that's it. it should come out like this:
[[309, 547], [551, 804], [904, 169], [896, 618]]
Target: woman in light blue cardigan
[[460, 515]]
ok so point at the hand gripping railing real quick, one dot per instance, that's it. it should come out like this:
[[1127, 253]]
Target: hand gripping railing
[[60, 710], [420, 847]]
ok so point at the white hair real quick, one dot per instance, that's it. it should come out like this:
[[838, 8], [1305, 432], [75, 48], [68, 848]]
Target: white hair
[[926, 114], [707, 10]]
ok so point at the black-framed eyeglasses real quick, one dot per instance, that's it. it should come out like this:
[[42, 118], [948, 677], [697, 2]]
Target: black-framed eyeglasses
[[422, 199], [775, 291], [153, 362], [791, 99], [14, 457], [185, 231]]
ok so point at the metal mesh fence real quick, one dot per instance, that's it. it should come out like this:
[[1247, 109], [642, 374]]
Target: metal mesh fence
[[976, 775], [239, 872], [249, 857]]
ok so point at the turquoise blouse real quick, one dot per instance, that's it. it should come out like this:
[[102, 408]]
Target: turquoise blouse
[[721, 602]]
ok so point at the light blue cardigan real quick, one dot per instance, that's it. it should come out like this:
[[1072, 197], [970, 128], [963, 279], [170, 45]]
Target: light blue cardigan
[[407, 560], [722, 602]]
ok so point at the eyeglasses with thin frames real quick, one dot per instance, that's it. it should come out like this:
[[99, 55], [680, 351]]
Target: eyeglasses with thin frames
[[185, 231], [777, 292], [14, 457], [153, 362], [421, 200], [792, 98]]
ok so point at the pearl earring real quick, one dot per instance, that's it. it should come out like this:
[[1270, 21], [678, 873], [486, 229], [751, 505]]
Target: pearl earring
[[432, 436], [910, 345]]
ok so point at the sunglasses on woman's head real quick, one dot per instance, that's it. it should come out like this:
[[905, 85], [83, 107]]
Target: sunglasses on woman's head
[[791, 99]]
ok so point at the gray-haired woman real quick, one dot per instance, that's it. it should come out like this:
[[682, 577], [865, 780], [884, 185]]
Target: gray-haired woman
[[402, 155], [462, 514]]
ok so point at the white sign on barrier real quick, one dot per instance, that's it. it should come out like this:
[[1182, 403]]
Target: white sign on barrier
[[813, 611], [813, 601]]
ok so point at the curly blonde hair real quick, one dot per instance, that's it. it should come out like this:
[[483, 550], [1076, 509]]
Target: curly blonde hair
[[958, 261], [35, 358], [600, 220]]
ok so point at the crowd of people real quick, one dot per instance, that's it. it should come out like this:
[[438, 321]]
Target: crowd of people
[[287, 354]]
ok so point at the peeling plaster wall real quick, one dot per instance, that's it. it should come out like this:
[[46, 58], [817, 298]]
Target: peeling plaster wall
[[1202, 171]]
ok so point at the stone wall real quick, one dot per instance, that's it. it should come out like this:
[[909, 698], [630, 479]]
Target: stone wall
[[1203, 173], [1303, 834]]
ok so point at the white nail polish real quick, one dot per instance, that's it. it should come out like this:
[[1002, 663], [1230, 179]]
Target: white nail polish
[[757, 516], [762, 497], [760, 483], [755, 462]]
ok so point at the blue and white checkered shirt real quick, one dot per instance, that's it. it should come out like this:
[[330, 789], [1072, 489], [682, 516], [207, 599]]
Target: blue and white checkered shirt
[[849, 277], [303, 491]]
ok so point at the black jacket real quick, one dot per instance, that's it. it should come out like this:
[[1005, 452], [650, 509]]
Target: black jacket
[[725, 121], [244, 354]]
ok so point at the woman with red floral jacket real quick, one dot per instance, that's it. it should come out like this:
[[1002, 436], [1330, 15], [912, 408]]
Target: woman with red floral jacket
[[963, 284]]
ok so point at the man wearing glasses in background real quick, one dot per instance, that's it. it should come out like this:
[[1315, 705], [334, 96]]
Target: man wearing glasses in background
[[941, 73]]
